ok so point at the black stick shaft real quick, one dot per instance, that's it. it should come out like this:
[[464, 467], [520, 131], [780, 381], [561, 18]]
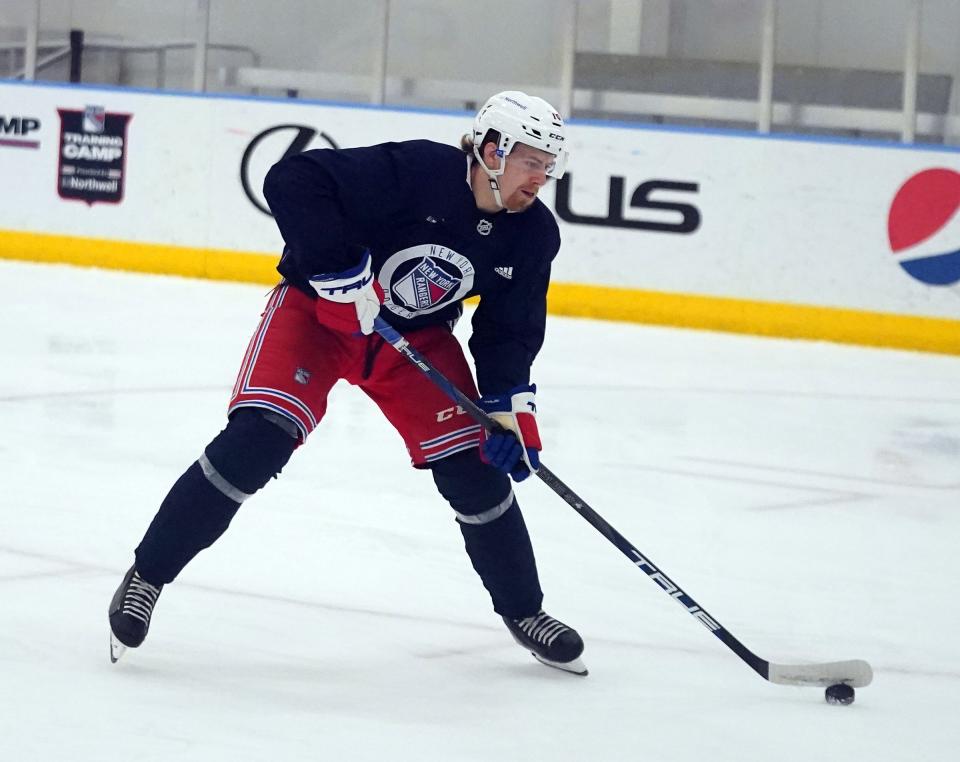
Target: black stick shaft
[[642, 562]]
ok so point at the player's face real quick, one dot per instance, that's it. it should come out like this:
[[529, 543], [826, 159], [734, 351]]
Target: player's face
[[525, 173]]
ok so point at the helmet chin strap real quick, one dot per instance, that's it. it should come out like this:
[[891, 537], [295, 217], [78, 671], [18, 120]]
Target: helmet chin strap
[[495, 187], [492, 176]]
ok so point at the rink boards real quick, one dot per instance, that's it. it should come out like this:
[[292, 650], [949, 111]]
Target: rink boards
[[842, 241]]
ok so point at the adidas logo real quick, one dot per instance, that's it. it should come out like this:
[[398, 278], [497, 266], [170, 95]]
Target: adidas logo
[[504, 272]]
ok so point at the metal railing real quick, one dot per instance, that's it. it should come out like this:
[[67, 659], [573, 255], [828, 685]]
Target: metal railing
[[63, 49], [763, 107]]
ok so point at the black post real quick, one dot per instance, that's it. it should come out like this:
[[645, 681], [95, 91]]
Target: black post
[[76, 54]]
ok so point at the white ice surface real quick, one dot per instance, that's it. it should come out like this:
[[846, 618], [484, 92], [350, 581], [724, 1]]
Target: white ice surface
[[806, 494]]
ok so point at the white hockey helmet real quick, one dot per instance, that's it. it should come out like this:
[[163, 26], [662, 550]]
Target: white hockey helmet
[[521, 118]]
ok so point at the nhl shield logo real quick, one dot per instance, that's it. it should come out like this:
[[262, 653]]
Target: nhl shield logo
[[484, 227]]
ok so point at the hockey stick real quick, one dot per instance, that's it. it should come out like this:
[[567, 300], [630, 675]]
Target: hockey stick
[[856, 672]]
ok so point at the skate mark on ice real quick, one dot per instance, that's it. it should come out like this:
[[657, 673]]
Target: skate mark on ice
[[830, 495], [147, 391], [824, 474], [748, 392], [79, 567]]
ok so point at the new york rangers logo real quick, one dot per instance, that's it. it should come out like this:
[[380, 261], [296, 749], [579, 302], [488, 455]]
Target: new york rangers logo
[[94, 119], [424, 279], [426, 285]]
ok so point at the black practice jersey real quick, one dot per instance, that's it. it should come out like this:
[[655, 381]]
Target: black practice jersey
[[411, 205]]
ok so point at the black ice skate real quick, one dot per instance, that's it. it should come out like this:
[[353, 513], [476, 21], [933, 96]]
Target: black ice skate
[[550, 641], [130, 612]]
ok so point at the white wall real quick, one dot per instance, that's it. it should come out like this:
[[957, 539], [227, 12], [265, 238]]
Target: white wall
[[780, 221]]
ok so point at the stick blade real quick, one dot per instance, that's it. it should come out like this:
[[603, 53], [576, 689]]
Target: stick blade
[[855, 673]]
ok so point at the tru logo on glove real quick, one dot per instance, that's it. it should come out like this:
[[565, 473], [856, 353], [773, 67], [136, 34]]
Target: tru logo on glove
[[349, 300]]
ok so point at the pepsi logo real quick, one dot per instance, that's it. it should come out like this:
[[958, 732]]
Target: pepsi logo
[[924, 229]]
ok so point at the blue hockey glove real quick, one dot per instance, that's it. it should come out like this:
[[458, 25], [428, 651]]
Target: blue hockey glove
[[516, 450]]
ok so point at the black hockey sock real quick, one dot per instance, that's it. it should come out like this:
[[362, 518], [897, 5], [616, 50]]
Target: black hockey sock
[[502, 555], [198, 509], [192, 516], [493, 531]]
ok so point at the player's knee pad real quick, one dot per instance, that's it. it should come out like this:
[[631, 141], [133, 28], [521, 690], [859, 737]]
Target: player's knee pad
[[244, 456], [477, 492]]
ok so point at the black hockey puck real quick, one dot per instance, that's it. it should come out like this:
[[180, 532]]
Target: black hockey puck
[[841, 693]]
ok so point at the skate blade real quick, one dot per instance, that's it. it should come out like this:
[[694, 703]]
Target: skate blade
[[575, 667], [117, 649]]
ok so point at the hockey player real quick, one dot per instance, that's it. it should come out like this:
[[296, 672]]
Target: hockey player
[[406, 231]]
